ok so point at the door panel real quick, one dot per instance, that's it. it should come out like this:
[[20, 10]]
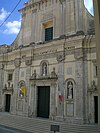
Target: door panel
[[96, 108], [7, 104], [43, 101]]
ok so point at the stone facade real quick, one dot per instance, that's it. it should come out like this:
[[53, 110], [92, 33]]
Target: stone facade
[[65, 65]]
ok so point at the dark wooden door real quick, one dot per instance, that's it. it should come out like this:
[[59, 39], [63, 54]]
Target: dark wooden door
[[96, 108], [7, 102], [43, 105]]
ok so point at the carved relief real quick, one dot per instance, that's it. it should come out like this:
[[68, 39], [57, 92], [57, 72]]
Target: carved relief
[[28, 61], [17, 62], [60, 57]]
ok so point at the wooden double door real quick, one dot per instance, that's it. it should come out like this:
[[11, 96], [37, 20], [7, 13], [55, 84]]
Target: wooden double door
[[43, 102]]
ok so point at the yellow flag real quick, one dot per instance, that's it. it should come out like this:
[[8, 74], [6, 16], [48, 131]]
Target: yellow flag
[[24, 90]]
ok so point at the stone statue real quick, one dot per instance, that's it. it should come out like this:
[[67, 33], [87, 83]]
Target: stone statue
[[93, 86], [53, 73], [70, 90], [44, 69], [34, 75]]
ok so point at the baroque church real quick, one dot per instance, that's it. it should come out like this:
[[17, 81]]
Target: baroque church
[[50, 70]]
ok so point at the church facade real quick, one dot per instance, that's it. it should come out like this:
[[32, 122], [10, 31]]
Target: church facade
[[50, 70]]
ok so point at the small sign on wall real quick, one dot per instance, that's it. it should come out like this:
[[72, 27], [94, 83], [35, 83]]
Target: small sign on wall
[[55, 128]]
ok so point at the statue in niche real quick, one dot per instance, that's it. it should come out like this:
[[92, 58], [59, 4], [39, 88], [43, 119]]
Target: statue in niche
[[44, 69], [22, 89], [70, 90]]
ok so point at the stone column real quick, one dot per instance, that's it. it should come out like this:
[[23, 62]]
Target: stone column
[[78, 12], [1, 85], [28, 63], [33, 99], [80, 86], [33, 33], [60, 107], [79, 90], [16, 80], [62, 2], [53, 101]]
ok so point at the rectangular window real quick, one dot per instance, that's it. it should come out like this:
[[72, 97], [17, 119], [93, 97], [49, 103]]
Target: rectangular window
[[49, 34], [95, 70], [10, 76]]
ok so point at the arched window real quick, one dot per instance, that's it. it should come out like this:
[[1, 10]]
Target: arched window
[[44, 69]]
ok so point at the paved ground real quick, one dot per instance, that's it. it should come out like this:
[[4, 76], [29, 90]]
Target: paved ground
[[5, 129]]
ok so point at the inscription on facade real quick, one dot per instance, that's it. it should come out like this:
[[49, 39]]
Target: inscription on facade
[[48, 52], [70, 109], [20, 105]]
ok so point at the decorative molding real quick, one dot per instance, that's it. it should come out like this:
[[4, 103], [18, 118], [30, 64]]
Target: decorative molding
[[47, 16], [8, 88]]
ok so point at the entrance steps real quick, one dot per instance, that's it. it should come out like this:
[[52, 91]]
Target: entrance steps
[[38, 125]]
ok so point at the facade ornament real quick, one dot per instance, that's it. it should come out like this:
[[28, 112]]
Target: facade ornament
[[8, 88], [17, 62], [5, 86], [60, 57], [92, 87], [1, 66], [53, 73], [78, 54], [28, 61], [34, 75], [8, 84]]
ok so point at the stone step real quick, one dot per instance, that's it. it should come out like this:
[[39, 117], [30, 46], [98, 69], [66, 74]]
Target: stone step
[[79, 128], [38, 125]]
